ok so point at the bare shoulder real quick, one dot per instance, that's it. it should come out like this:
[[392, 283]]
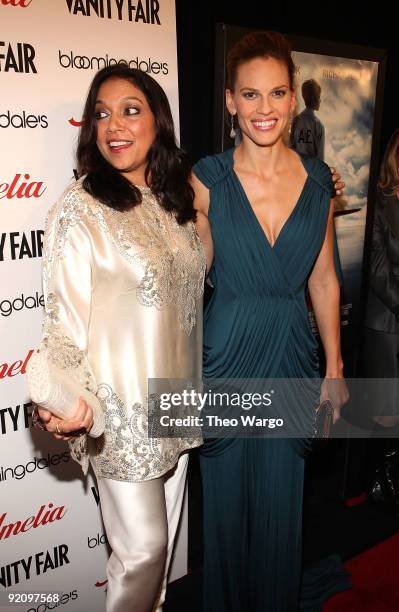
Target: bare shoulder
[[296, 164]]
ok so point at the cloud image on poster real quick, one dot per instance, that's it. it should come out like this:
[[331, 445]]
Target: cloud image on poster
[[346, 112]]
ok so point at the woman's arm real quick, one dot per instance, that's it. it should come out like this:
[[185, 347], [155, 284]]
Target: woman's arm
[[325, 295], [324, 292], [201, 204], [67, 285]]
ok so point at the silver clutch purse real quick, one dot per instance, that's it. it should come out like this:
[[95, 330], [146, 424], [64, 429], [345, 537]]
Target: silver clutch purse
[[324, 420], [56, 390]]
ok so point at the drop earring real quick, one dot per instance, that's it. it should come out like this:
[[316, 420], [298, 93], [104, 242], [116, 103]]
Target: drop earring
[[290, 123], [232, 131]]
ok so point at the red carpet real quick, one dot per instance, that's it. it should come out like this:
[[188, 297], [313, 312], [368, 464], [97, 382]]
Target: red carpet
[[375, 579]]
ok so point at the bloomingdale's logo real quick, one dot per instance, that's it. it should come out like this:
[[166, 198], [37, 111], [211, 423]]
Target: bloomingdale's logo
[[64, 599], [11, 305], [140, 12], [18, 472], [46, 514], [22, 120], [83, 62]]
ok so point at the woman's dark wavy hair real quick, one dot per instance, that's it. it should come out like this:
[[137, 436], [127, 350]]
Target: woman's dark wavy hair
[[168, 168]]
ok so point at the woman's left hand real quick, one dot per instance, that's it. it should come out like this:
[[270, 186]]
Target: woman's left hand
[[336, 391], [338, 184], [63, 429]]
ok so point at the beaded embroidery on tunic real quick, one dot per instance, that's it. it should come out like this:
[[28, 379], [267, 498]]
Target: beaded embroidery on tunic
[[167, 279], [125, 452], [173, 274]]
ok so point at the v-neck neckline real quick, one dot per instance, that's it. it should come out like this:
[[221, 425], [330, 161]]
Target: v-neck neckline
[[250, 207]]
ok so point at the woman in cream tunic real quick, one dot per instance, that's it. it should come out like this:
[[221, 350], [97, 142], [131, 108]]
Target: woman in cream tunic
[[123, 285]]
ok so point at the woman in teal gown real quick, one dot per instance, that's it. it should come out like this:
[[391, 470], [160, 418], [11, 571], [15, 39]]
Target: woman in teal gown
[[271, 219]]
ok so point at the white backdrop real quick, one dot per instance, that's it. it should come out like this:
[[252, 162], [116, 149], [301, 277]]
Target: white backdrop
[[49, 52]]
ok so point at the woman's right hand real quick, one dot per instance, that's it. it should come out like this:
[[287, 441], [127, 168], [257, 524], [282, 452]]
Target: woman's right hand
[[62, 429], [336, 391]]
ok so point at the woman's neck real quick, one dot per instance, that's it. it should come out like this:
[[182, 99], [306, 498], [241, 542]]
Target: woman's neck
[[136, 178], [250, 157]]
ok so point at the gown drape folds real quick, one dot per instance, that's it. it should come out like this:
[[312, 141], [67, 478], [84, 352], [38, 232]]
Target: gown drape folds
[[256, 326]]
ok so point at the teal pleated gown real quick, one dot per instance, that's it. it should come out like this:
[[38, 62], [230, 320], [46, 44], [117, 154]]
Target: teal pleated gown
[[256, 326]]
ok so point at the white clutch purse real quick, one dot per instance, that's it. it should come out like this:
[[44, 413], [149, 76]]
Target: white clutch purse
[[56, 390]]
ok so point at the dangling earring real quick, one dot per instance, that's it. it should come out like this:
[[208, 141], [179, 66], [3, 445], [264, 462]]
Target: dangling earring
[[232, 131]]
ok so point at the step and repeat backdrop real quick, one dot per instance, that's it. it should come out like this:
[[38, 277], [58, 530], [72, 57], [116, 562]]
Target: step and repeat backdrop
[[51, 536]]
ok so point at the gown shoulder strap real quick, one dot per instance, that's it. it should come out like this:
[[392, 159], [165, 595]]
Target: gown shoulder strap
[[212, 169], [320, 173]]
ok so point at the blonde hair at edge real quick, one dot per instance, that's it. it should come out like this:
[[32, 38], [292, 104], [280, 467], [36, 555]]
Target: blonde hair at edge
[[389, 174]]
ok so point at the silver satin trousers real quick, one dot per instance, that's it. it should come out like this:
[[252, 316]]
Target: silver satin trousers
[[141, 521]]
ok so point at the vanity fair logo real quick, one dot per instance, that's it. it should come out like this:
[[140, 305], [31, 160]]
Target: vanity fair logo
[[17, 57], [140, 11], [21, 245], [21, 186], [69, 59], [21, 3], [34, 565], [14, 418], [45, 514], [22, 120]]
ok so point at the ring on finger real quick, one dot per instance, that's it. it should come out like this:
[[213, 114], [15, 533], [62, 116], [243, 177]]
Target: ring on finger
[[57, 429]]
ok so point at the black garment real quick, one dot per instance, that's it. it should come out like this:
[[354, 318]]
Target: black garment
[[381, 339], [383, 300], [381, 360]]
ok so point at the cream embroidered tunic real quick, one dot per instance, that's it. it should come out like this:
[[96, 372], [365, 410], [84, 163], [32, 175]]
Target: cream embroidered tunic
[[123, 301]]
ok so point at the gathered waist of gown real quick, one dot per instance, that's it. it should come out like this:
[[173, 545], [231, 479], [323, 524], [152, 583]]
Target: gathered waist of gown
[[224, 302], [253, 337], [225, 293]]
